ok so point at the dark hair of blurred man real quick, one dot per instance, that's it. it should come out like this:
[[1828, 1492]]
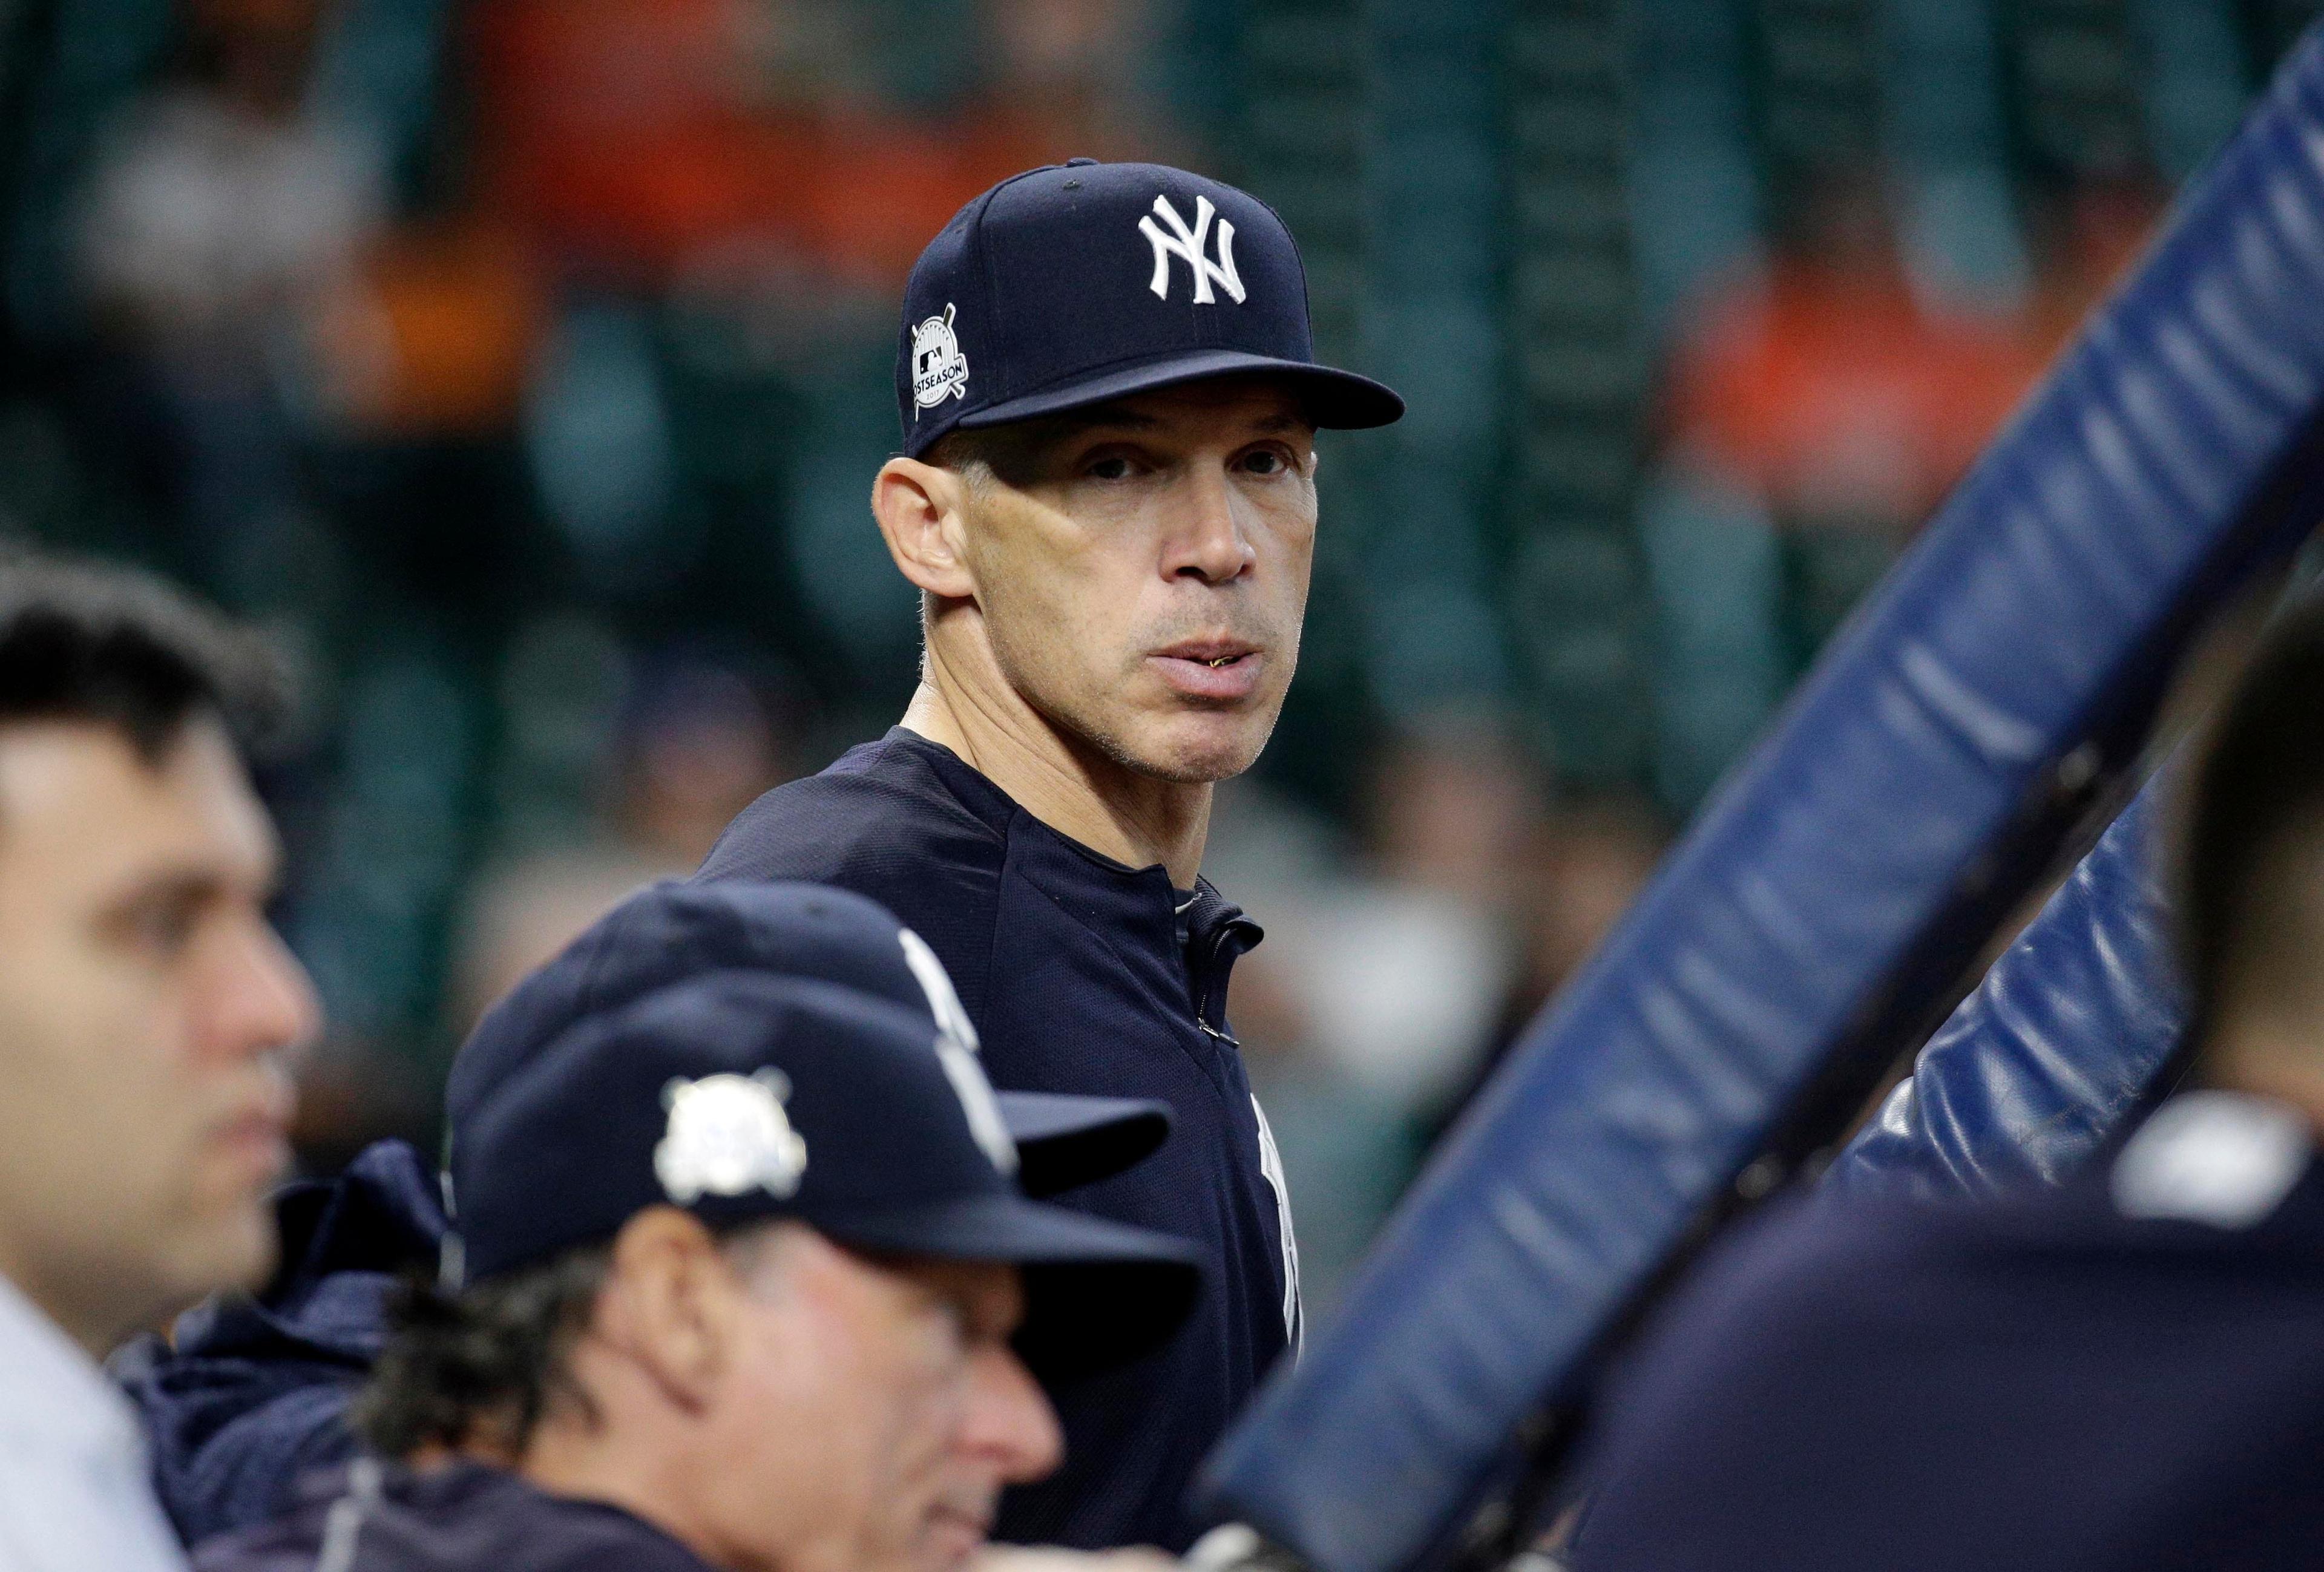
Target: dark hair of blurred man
[[144, 1006], [2126, 1372]]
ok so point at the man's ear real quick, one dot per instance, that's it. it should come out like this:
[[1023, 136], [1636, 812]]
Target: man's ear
[[672, 1303], [923, 514]]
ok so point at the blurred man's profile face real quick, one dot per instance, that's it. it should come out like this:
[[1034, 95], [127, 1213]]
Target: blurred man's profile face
[[1142, 570], [144, 1003], [887, 1397]]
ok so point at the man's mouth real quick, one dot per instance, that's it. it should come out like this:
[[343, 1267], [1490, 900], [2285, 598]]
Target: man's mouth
[[256, 1143], [1212, 652], [959, 1534], [1215, 669], [255, 1129]]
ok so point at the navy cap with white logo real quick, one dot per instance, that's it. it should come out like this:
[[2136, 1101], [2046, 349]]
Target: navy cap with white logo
[[1081, 282], [741, 1097], [671, 931]]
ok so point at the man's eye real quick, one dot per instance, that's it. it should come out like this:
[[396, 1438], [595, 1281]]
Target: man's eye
[[1114, 468], [163, 930], [1265, 461]]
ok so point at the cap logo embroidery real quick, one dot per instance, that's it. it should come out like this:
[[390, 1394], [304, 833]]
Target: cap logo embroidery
[[1187, 243], [728, 1134], [939, 371]]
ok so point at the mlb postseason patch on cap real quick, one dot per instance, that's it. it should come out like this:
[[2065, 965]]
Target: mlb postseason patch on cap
[[939, 371], [1072, 284]]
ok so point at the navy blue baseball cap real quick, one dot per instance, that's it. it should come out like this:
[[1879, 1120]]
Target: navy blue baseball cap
[[742, 1097], [669, 931], [1079, 282]]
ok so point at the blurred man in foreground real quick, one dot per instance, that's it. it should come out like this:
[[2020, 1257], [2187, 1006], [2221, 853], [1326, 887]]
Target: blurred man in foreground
[[2125, 1374], [144, 1006], [744, 1281]]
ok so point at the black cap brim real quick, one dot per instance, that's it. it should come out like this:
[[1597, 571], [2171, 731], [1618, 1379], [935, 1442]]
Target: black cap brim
[[1065, 1140], [1336, 401], [1097, 1294]]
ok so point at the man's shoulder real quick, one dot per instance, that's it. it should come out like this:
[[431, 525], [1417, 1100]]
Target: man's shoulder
[[73, 1490], [447, 1520], [1801, 1259], [1938, 1351], [1829, 1311], [1903, 1261], [883, 815]]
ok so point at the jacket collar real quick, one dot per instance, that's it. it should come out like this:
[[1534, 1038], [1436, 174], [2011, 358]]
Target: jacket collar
[[1140, 903]]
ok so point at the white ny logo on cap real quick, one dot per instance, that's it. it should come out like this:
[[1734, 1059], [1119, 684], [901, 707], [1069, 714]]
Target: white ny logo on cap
[[1187, 243]]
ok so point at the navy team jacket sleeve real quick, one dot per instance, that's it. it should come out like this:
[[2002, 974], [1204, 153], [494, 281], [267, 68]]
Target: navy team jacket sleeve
[[2037, 1380], [1076, 974]]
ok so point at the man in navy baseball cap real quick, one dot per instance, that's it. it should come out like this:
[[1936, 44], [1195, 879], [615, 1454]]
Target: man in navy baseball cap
[[742, 1279], [1106, 494], [253, 1394]]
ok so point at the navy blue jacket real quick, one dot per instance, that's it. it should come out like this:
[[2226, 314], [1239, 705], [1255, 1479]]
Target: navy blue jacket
[[254, 1393], [459, 1518], [1925, 1386], [1080, 975]]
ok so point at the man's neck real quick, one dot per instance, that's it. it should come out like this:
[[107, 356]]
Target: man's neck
[[593, 1463], [97, 1328], [1132, 818]]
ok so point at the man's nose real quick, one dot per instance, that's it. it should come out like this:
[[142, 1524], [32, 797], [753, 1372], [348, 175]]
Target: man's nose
[[1009, 1420], [262, 1001], [1208, 542]]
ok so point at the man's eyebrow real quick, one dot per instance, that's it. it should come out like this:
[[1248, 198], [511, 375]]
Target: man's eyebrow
[[190, 886], [168, 886]]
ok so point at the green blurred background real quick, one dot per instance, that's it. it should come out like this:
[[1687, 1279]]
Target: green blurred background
[[523, 365]]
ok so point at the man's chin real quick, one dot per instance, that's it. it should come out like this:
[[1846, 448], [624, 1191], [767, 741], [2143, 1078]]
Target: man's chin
[[235, 1247], [1201, 750]]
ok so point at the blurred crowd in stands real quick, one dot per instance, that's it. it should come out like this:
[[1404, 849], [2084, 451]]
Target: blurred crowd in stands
[[521, 364]]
